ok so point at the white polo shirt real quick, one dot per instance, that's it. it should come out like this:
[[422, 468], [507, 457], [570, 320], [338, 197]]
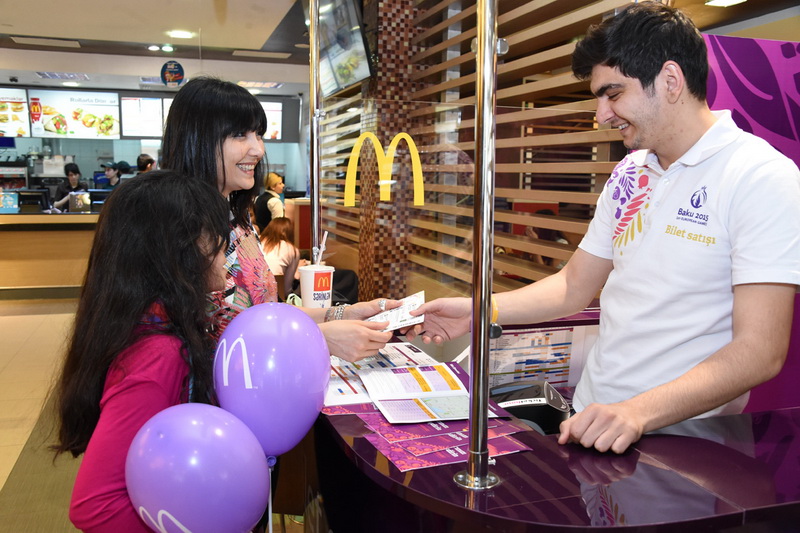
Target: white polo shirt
[[726, 213]]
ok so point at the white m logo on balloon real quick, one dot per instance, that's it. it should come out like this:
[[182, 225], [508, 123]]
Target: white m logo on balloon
[[226, 360]]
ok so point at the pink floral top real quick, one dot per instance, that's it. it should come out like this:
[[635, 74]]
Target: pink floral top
[[249, 280]]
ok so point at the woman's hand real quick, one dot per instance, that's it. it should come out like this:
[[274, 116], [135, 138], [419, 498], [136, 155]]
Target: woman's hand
[[353, 340], [364, 310], [445, 319]]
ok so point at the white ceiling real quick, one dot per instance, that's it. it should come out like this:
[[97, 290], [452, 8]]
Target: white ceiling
[[114, 36], [118, 33], [244, 24]]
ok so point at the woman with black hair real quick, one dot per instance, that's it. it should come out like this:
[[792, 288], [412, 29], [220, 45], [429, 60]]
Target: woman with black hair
[[139, 343], [214, 134]]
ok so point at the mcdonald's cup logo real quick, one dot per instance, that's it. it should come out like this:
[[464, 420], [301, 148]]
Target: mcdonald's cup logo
[[322, 281], [385, 161]]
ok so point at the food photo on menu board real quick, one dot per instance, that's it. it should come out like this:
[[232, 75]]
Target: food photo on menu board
[[274, 112], [74, 114], [14, 113]]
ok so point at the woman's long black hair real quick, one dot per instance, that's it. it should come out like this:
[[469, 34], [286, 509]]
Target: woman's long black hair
[[204, 113], [156, 240]]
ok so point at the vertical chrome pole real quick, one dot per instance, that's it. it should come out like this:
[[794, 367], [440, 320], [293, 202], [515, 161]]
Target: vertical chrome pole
[[316, 115], [477, 475]]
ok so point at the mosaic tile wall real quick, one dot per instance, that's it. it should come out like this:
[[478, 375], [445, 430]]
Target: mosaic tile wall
[[383, 250]]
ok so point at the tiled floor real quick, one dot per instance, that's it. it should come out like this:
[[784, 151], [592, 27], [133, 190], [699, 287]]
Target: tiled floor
[[34, 336]]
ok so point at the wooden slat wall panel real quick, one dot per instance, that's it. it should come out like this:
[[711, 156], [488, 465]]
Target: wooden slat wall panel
[[550, 153]]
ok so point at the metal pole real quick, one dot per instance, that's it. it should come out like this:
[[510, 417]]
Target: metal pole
[[316, 115], [477, 475]]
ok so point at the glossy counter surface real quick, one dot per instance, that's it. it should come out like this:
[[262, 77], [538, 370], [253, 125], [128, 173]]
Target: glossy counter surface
[[737, 473]]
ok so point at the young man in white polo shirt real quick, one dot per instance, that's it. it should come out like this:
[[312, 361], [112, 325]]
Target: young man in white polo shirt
[[695, 243]]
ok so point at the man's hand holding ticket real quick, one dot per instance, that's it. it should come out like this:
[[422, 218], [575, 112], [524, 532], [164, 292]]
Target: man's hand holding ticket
[[399, 317]]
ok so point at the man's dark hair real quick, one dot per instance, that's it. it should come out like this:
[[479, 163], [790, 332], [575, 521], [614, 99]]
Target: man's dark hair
[[143, 161], [71, 167], [639, 40]]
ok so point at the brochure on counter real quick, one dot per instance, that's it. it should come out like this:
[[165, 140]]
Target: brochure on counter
[[425, 445], [345, 386], [404, 460], [418, 393]]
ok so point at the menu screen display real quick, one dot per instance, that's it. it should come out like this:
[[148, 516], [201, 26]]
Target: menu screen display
[[14, 113], [74, 114], [274, 112], [141, 117], [342, 44]]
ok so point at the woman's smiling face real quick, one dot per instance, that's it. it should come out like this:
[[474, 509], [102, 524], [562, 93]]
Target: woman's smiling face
[[241, 152]]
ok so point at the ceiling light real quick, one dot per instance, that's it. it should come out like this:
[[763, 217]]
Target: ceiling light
[[167, 48], [262, 55], [724, 3], [302, 45], [326, 8], [71, 84], [154, 48], [70, 76], [180, 34], [38, 41], [260, 84], [254, 91]]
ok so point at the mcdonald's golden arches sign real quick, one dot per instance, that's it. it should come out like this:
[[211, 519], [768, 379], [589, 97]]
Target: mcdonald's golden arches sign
[[385, 161]]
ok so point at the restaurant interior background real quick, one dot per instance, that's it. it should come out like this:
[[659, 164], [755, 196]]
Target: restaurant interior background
[[263, 45]]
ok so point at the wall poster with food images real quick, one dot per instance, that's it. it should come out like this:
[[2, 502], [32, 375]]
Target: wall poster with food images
[[14, 113], [74, 114], [274, 112]]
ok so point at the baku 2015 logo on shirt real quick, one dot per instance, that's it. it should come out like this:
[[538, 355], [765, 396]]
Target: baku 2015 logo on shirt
[[699, 197]]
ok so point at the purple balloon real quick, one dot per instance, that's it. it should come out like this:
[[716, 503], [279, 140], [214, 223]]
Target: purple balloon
[[194, 467], [271, 370]]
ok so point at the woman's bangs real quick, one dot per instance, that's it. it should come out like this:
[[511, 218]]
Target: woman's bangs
[[247, 115]]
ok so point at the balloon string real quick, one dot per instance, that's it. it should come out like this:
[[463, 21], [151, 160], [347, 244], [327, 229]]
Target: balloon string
[[271, 460], [269, 505]]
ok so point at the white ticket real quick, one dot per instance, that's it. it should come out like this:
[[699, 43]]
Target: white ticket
[[399, 317]]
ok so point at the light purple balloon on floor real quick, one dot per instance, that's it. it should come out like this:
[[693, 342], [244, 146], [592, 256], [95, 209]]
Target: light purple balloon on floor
[[195, 467], [271, 370]]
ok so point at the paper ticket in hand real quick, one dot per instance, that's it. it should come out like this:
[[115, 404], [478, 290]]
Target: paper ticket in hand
[[399, 317]]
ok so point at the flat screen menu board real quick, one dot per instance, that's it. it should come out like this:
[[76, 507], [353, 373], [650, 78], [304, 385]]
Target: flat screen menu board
[[74, 114], [344, 60], [141, 117], [274, 112], [342, 42], [14, 113]]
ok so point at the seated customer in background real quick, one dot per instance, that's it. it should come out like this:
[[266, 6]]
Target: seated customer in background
[[281, 254], [139, 343], [72, 184]]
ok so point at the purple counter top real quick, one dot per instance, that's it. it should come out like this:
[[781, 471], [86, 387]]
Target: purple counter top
[[733, 472]]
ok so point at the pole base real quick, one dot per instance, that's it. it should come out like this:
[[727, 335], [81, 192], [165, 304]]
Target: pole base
[[476, 483]]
